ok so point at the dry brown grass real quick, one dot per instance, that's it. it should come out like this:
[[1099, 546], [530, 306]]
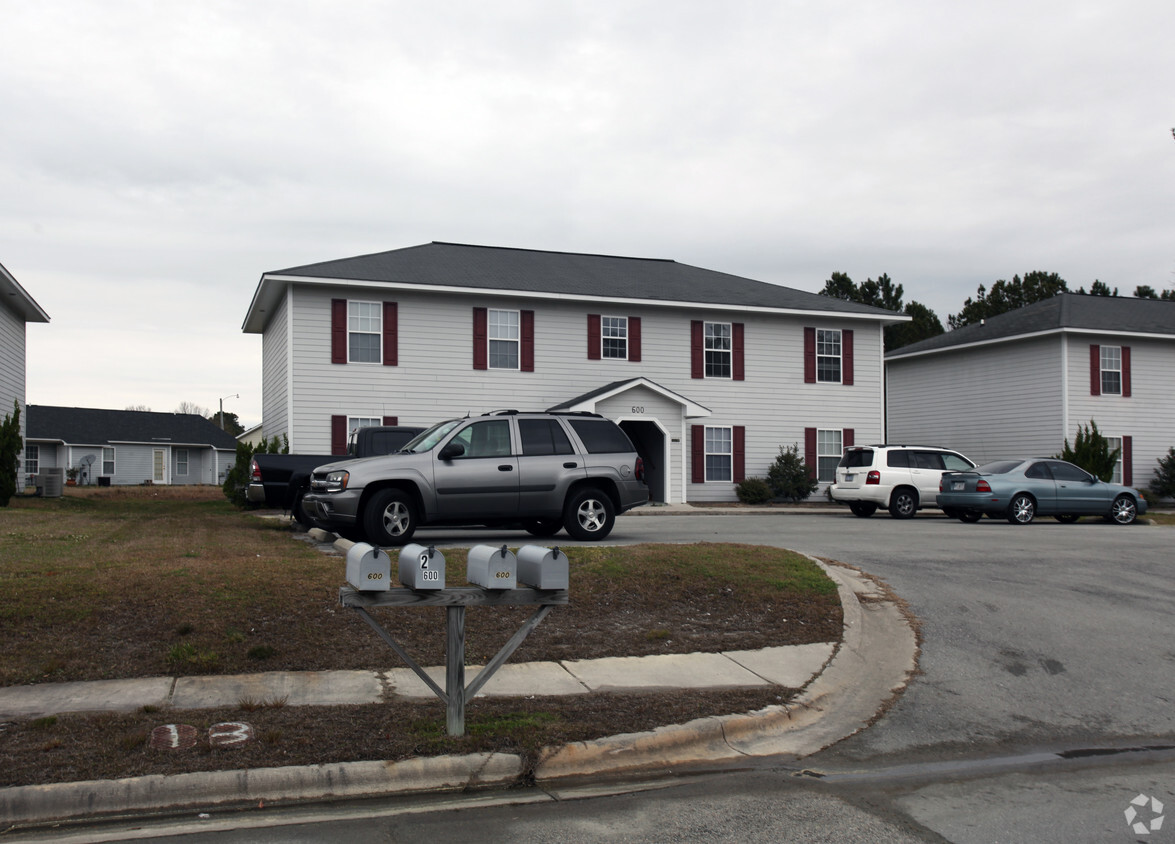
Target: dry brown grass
[[136, 582]]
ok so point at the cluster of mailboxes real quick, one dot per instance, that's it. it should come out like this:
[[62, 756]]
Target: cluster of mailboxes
[[369, 569]]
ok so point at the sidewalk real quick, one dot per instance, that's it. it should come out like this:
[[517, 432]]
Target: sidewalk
[[843, 687]]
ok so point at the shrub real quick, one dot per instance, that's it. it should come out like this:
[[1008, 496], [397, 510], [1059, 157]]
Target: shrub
[[754, 491], [789, 476], [11, 446], [1091, 451], [1163, 483]]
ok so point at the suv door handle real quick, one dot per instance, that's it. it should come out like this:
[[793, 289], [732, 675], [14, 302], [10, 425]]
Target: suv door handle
[[505, 467], [570, 465]]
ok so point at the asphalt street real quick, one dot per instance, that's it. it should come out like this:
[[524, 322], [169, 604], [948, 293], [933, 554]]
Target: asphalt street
[[1043, 711]]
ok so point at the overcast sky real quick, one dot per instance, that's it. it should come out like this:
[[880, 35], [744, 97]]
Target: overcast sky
[[157, 157]]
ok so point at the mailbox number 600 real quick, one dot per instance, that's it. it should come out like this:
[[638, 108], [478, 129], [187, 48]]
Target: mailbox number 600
[[430, 574]]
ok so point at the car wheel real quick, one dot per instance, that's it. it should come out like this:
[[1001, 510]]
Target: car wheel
[[903, 504], [1022, 510], [863, 509], [390, 518], [970, 516], [542, 527], [1067, 518], [589, 515], [1123, 511], [300, 516]]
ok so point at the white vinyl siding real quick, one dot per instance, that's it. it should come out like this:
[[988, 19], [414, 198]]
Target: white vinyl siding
[[275, 373], [434, 381], [12, 363], [989, 403]]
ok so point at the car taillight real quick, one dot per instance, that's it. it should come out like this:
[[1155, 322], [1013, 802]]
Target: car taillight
[[255, 471], [873, 477], [639, 469], [982, 486]]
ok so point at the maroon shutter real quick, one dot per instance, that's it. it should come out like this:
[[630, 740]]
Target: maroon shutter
[[338, 330], [527, 356], [634, 339], [698, 453], [1128, 461], [593, 337], [736, 356], [846, 357], [480, 338], [1095, 370], [846, 438], [740, 454], [391, 334], [338, 435], [1126, 372], [697, 355], [810, 456], [392, 420], [809, 355]]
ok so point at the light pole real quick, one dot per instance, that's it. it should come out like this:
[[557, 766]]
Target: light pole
[[233, 396]]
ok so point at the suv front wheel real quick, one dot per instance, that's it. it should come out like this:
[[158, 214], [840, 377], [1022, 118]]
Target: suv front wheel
[[390, 518], [589, 515]]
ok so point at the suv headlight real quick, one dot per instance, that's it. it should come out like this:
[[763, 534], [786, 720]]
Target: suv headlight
[[336, 481]]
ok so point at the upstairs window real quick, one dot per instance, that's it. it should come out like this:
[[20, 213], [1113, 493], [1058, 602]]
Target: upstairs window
[[364, 328], [1111, 366], [505, 339], [718, 350], [614, 337], [828, 355]]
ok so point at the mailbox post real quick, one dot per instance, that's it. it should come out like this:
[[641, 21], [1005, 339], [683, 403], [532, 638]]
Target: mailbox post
[[489, 564]]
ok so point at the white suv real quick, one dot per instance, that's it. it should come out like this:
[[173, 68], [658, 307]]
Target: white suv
[[901, 478]]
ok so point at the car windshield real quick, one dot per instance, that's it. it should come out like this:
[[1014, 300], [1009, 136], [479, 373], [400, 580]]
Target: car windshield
[[427, 440], [1000, 467]]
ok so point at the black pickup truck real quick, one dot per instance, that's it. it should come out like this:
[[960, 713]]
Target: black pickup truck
[[280, 480]]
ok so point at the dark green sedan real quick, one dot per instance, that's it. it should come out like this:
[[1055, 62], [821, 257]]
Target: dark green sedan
[[1021, 490]]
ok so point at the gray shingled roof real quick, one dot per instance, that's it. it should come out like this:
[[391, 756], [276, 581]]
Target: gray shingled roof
[[90, 426], [492, 268], [1111, 314]]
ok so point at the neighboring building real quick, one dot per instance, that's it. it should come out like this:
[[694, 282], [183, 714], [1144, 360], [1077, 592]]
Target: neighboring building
[[709, 373], [251, 436], [127, 446], [1022, 382], [17, 309]]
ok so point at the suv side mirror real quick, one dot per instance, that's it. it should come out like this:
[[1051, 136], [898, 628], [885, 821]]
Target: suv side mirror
[[452, 450]]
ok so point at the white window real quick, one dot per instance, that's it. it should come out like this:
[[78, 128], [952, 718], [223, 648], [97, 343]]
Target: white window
[[719, 454], [828, 355], [181, 461], [614, 337], [1111, 370], [32, 459], [828, 453], [1116, 443], [364, 332], [504, 339], [354, 423], [718, 346], [107, 461]]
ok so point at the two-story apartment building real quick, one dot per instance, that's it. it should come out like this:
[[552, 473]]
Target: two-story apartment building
[[1020, 384], [709, 373], [17, 309]]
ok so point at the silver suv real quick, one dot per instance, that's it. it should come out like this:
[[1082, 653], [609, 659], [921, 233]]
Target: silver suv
[[902, 478], [545, 471]]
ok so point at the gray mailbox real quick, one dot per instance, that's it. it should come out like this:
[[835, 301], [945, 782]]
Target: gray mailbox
[[422, 568], [369, 569], [543, 568], [492, 568]]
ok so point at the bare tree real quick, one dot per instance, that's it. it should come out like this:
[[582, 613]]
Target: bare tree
[[192, 407]]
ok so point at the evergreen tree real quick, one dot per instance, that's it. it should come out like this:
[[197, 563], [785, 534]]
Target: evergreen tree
[[11, 446], [1091, 451], [789, 477], [883, 293], [1007, 296]]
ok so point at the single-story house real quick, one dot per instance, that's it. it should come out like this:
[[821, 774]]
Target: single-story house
[[116, 447], [17, 309], [709, 373], [1020, 384]]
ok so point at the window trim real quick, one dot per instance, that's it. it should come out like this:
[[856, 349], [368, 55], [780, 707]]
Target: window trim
[[378, 308], [1104, 370], [835, 457], [604, 337], [516, 341], [182, 462], [34, 462], [113, 457], [707, 454], [708, 350], [838, 357]]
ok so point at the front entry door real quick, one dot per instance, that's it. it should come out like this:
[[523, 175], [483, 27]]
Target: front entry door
[[159, 466]]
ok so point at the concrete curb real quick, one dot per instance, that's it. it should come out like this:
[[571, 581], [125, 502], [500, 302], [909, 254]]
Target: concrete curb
[[875, 660]]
